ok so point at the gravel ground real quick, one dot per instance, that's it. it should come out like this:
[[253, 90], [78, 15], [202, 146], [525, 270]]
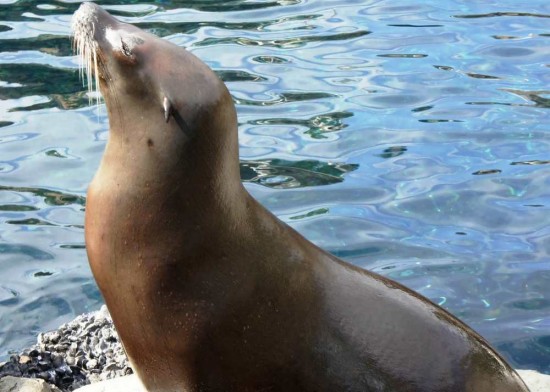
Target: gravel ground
[[80, 352]]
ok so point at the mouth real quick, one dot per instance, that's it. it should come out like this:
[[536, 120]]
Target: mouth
[[84, 24]]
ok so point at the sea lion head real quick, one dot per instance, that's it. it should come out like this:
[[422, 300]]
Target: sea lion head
[[169, 114], [147, 79]]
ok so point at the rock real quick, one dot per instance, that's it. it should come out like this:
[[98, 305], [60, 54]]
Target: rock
[[91, 364], [24, 359], [14, 384], [73, 355], [121, 384], [537, 382], [71, 361]]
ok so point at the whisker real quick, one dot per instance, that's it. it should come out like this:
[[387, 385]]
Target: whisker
[[84, 45]]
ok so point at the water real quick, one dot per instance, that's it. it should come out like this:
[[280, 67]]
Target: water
[[410, 139]]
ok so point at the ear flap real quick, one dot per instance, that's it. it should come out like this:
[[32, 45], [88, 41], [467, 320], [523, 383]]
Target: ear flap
[[171, 111], [167, 106]]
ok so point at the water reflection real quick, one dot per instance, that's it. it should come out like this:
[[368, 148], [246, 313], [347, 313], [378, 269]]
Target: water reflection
[[501, 14], [47, 43], [316, 127], [280, 173], [283, 43], [36, 79], [49, 197]]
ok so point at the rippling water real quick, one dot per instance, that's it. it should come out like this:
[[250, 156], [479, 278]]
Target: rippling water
[[410, 139]]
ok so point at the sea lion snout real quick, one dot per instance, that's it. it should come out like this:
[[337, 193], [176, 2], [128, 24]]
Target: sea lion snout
[[120, 58], [104, 35], [90, 14]]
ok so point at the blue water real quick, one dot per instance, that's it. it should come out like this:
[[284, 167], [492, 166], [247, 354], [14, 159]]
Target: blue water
[[411, 139]]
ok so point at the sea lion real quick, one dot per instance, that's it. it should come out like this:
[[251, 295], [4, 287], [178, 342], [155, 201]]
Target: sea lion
[[211, 292]]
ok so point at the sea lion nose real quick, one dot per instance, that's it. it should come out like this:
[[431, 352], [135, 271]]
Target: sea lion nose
[[90, 7], [90, 12]]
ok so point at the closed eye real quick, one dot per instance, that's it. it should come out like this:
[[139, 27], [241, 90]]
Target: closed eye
[[125, 49]]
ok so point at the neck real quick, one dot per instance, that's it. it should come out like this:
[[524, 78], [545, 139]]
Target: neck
[[157, 166]]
